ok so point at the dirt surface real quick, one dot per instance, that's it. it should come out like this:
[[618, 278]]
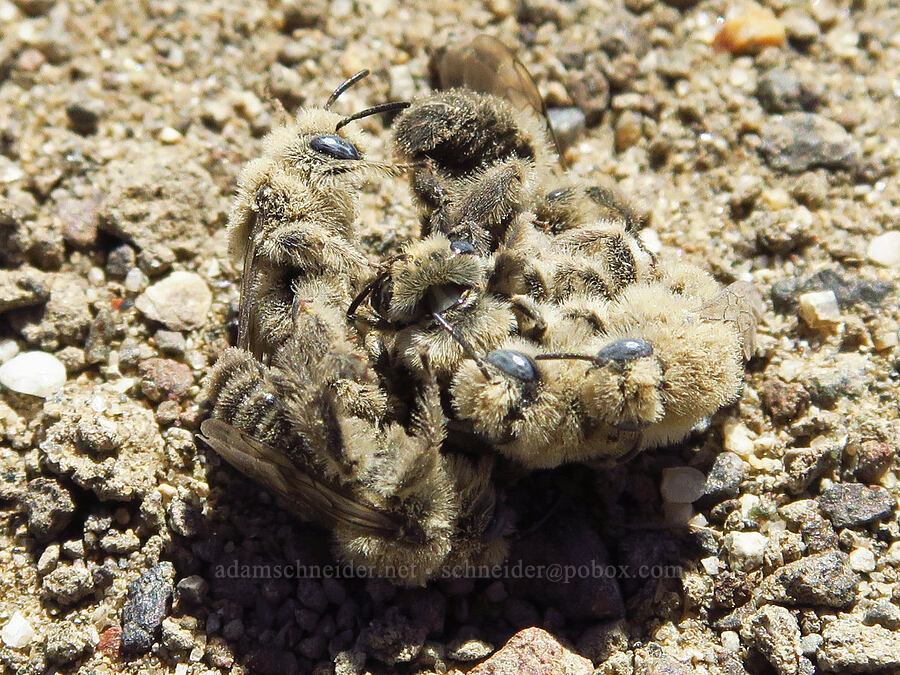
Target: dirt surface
[[772, 159]]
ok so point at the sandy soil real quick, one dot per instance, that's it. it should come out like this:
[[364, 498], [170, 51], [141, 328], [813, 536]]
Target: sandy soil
[[122, 131]]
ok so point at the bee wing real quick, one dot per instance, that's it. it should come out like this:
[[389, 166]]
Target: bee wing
[[488, 66], [246, 316], [739, 303], [310, 498]]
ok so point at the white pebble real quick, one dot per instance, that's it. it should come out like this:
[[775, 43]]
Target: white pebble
[[135, 280], [8, 349], [169, 135], [34, 373], [180, 301], [96, 276], [738, 439], [745, 549], [819, 309], [731, 641], [885, 249], [17, 633], [892, 555], [861, 560], [712, 565], [682, 484]]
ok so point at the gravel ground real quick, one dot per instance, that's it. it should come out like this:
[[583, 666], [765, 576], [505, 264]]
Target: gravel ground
[[766, 149]]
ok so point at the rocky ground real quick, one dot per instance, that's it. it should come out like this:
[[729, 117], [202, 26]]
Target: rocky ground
[[765, 149]]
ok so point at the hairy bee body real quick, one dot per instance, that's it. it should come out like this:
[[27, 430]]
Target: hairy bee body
[[292, 222]]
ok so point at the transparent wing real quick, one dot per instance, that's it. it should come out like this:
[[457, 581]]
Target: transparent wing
[[309, 497], [488, 66], [739, 303]]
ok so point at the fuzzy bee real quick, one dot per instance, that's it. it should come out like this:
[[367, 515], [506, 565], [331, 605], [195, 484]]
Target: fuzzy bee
[[480, 146], [663, 360], [433, 306], [293, 218], [393, 502]]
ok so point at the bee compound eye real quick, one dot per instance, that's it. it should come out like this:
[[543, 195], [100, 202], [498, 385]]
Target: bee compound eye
[[334, 146], [513, 363], [627, 349], [462, 247]]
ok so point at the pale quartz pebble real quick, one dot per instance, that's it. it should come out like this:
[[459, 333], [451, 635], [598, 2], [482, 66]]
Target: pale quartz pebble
[[8, 349], [819, 310], [34, 373], [738, 439], [17, 633], [169, 135], [180, 301], [712, 565], [731, 641], [861, 560], [745, 549], [96, 276], [135, 280], [892, 555], [682, 484], [776, 198], [885, 249]]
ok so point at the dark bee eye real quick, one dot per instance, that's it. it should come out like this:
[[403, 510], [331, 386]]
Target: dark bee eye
[[334, 146], [558, 194], [513, 363], [462, 248], [627, 349]]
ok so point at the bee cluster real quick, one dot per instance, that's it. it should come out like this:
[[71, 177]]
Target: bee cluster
[[528, 325]]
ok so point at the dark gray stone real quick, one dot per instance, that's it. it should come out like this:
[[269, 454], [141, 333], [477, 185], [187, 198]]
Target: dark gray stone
[[782, 91], [146, 607], [823, 580], [848, 290], [799, 141], [724, 479], [120, 261], [855, 504]]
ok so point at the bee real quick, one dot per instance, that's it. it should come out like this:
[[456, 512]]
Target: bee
[[480, 146], [390, 498], [293, 218], [433, 306], [664, 361], [599, 260]]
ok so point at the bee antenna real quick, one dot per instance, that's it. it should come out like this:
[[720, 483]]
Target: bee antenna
[[374, 110], [565, 356], [344, 86], [456, 335]]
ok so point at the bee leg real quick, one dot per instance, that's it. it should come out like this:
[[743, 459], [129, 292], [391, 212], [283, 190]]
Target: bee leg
[[531, 323]]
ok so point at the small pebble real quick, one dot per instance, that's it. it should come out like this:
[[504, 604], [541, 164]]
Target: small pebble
[[885, 249], [135, 280], [169, 136], [35, 373], [180, 301], [731, 641], [819, 310], [745, 549], [682, 484], [17, 633], [750, 30], [8, 349], [861, 560]]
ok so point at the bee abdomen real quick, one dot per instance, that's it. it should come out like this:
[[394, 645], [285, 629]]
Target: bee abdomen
[[241, 394]]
